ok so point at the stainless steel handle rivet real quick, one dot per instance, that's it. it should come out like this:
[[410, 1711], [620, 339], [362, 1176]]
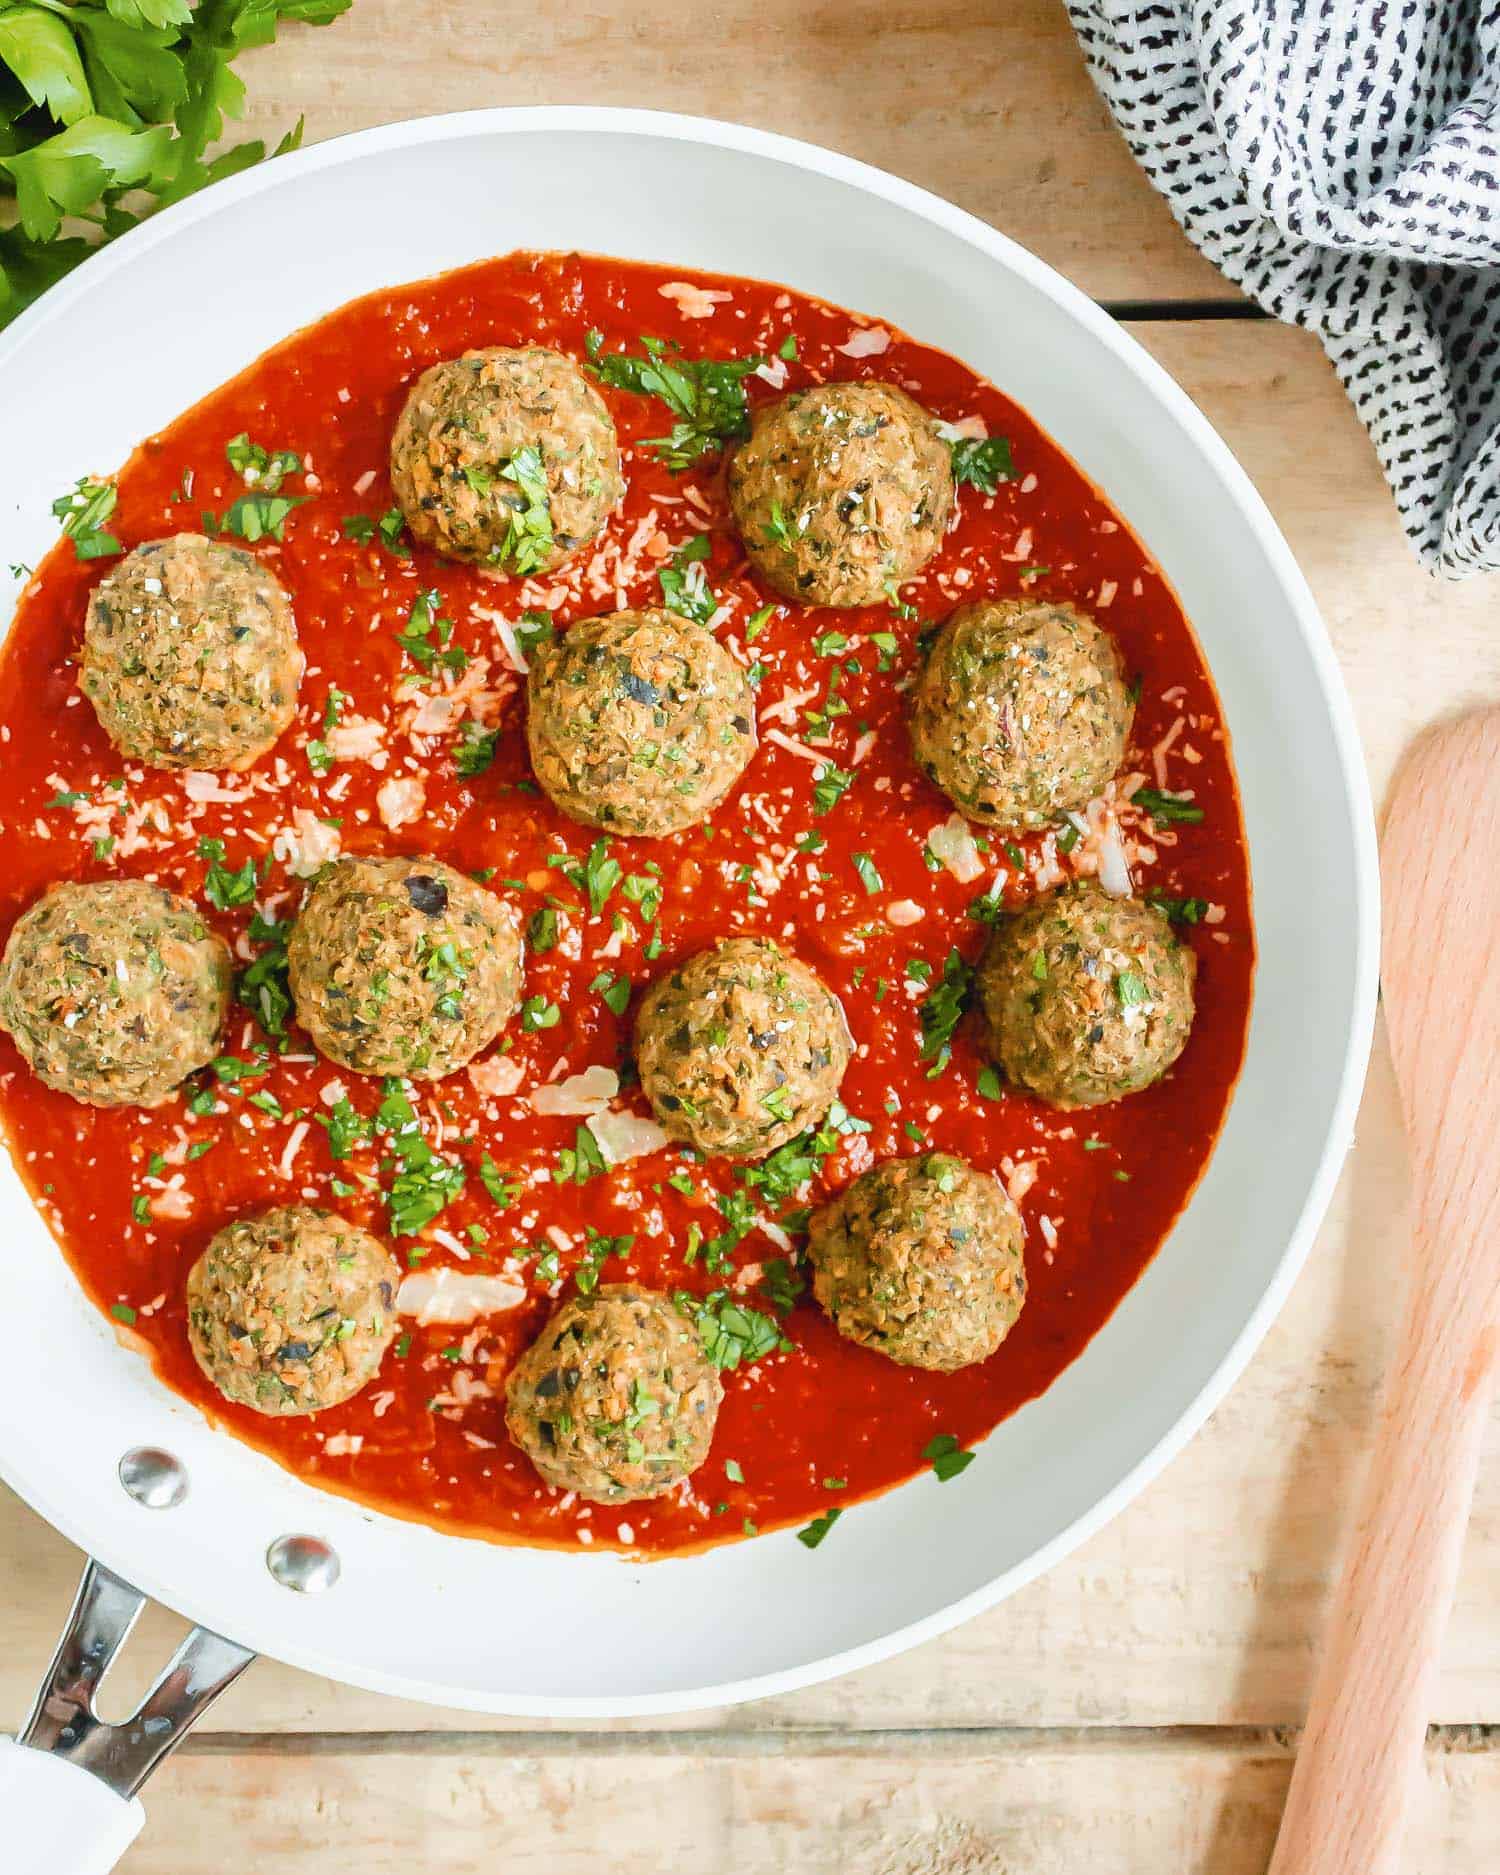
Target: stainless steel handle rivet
[[153, 1477], [304, 1563]]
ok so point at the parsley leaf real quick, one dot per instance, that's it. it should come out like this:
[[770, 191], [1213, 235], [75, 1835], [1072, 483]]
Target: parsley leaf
[[815, 1532], [946, 1456], [983, 462], [1166, 808], [706, 395], [528, 543], [107, 113], [85, 506], [223, 887], [684, 584], [942, 1008]]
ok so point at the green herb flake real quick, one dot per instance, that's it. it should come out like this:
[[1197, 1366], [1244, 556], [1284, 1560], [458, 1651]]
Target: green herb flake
[[705, 395], [815, 1532], [88, 503], [983, 462], [946, 1456], [1166, 808]]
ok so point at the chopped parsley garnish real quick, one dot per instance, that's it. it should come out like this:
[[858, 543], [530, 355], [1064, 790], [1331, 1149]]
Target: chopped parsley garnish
[[1166, 808], [427, 639], [983, 462], [613, 991], [757, 622], [254, 517], [122, 1311], [346, 1127], [262, 987], [887, 644], [597, 876], [230, 1070], [989, 907], [815, 1532], [1131, 989], [783, 1283], [503, 1190], [84, 509], [534, 629], [224, 887], [541, 930], [684, 583], [424, 1183], [597, 1252], [1179, 910], [263, 469], [528, 543], [391, 527], [946, 1456], [1067, 837], [830, 785], [989, 1085], [869, 876], [644, 890], [538, 1013], [941, 1009], [705, 395], [578, 1163], [476, 749], [732, 1335], [734, 1471]]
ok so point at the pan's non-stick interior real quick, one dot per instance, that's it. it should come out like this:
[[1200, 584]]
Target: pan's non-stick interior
[[138, 335]]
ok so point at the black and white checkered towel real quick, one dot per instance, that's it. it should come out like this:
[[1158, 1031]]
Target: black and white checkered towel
[[1340, 161]]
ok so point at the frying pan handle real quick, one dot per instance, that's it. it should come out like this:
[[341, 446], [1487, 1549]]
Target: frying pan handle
[[67, 1785]]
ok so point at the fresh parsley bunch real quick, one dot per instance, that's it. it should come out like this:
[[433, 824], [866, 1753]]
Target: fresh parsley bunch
[[107, 111]]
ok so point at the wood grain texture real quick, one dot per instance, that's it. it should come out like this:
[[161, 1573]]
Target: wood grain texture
[[987, 1805], [1204, 1601], [1363, 1741], [989, 104]]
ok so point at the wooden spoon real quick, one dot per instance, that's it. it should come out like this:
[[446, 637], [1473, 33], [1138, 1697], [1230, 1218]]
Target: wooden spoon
[[1440, 861]]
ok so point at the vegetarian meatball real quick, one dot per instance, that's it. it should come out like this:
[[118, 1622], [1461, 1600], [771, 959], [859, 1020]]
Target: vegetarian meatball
[[190, 655], [1022, 711], [506, 457], [615, 1399], [403, 966], [1085, 997], [114, 992], [921, 1259], [841, 492], [641, 722], [293, 1310], [740, 1048]]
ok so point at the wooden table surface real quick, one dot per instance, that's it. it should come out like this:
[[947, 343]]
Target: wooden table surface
[[1133, 1713]]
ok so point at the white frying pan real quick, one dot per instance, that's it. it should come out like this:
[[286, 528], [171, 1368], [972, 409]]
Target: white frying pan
[[139, 1480]]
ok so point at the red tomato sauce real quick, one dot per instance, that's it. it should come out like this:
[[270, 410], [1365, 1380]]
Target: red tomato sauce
[[132, 1210]]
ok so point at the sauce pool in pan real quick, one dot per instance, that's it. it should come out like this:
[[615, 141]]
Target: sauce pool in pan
[[409, 738]]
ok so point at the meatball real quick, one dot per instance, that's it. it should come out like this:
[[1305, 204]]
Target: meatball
[[615, 1399], [1022, 712], [403, 966], [1085, 997], [641, 722], [506, 457], [740, 1048], [114, 992], [841, 493], [921, 1259], [190, 655], [291, 1311]]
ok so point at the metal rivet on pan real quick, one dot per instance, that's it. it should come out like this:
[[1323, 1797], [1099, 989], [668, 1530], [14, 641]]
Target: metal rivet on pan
[[153, 1477], [304, 1563]]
